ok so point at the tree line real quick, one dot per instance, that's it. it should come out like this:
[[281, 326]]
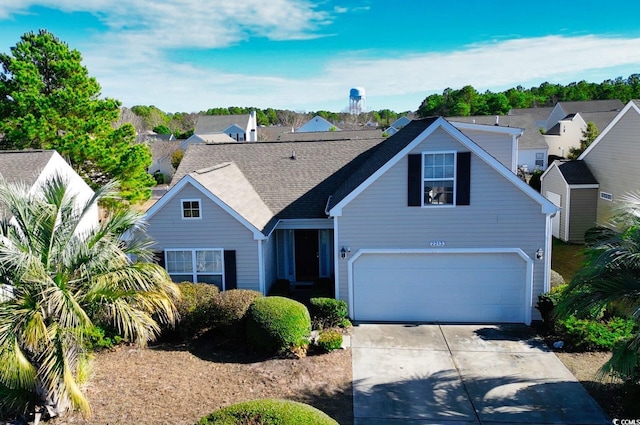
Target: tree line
[[468, 101]]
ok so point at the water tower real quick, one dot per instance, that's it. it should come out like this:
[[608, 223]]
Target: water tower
[[356, 100]]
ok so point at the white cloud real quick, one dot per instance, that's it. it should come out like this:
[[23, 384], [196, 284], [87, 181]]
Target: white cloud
[[494, 66]]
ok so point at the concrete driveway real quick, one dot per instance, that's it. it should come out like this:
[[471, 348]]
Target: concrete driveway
[[462, 374]]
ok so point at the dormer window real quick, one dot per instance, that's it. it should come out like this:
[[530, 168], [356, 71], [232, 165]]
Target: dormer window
[[191, 209]]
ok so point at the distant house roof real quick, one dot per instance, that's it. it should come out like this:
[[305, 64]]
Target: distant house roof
[[600, 119], [591, 106], [161, 150], [329, 135], [531, 137], [576, 172], [214, 138], [537, 113], [24, 166], [317, 123], [293, 179], [207, 124]]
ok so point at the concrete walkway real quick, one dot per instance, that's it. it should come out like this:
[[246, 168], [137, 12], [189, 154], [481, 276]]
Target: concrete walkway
[[462, 374]]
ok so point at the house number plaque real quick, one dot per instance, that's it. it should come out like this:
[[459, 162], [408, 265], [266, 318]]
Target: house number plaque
[[437, 243]]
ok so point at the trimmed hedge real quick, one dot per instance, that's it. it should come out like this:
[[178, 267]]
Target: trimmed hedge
[[327, 312], [229, 309], [194, 308], [278, 325], [268, 412]]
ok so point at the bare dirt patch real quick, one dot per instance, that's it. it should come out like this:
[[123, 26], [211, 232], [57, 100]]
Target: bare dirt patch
[[616, 399], [178, 385]]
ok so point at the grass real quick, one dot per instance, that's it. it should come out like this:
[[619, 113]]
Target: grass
[[566, 258]]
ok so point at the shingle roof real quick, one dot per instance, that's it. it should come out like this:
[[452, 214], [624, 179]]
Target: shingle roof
[[600, 119], [330, 135], [24, 166], [161, 149], [217, 123], [290, 188], [592, 106], [537, 113], [576, 172], [530, 139], [380, 156], [227, 182]]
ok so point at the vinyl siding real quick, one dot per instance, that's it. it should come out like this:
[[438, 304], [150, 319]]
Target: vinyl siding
[[553, 182], [582, 212], [500, 146], [614, 162], [216, 229], [500, 215]]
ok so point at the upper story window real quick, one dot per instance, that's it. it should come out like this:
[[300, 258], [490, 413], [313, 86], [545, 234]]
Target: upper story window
[[539, 159], [191, 208], [439, 178]]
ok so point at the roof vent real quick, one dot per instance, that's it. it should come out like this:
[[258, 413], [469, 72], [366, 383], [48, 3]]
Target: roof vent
[[293, 154], [497, 120]]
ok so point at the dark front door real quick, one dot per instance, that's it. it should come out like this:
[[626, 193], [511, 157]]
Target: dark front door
[[306, 255]]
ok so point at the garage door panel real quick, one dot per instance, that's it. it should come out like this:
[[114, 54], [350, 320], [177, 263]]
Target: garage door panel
[[439, 287]]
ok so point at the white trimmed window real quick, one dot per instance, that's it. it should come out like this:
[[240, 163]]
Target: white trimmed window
[[438, 178], [196, 265], [606, 196], [539, 159], [190, 209]]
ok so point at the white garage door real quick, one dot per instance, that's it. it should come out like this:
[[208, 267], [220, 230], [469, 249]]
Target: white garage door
[[443, 287]]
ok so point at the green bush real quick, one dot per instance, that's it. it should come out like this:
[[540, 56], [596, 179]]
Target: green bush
[[268, 412], [590, 335], [547, 303], [96, 338], [278, 325], [327, 312], [229, 309], [194, 309], [329, 340]]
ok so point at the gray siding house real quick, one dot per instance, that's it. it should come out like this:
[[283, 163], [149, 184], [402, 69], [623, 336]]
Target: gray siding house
[[426, 225], [590, 189]]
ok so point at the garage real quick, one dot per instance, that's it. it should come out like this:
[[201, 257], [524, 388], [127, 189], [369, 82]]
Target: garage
[[480, 286]]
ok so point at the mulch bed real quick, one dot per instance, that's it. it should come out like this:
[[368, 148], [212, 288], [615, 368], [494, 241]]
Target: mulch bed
[[173, 384]]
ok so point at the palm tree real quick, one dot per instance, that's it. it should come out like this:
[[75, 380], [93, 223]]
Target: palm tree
[[63, 277], [611, 279]]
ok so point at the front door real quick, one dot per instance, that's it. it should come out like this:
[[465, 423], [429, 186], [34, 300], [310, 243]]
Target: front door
[[306, 255]]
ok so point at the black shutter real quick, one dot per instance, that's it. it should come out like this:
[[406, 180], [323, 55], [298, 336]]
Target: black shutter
[[158, 258], [414, 180], [230, 280], [463, 178]]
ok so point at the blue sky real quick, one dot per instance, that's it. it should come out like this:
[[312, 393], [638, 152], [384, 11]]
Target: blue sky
[[191, 55]]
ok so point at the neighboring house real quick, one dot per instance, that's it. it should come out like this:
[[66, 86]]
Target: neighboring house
[[590, 189], [34, 167], [425, 225], [397, 125], [241, 128], [562, 109], [539, 115], [161, 154], [317, 124], [531, 148], [567, 133]]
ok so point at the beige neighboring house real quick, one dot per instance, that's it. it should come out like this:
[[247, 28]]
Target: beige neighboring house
[[591, 189], [567, 133]]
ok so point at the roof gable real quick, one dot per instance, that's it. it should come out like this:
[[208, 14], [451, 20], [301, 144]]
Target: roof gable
[[631, 106], [207, 124], [398, 146], [24, 166], [576, 172], [317, 123]]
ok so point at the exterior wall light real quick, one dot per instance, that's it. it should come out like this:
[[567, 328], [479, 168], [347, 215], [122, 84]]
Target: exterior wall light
[[344, 251], [539, 254]]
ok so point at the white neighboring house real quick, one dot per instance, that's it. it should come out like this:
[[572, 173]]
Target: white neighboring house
[[34, 168], [241, 128]]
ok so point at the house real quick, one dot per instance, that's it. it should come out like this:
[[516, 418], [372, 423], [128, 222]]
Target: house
[[426, 225], [590, 189], [161, 154], [241, 128], [397, 125], [532, 150], [567, 133], [315, 124], [34, 167]]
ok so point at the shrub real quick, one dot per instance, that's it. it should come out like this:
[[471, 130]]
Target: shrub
[[268, 412], [329, 340], [278, 325], [327, 312], [194, 309], [590, 335], [547, 303], [96, 338], [229, 309], [534, 180]]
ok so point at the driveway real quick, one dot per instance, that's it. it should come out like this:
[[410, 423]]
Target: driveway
[[462, 374]]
